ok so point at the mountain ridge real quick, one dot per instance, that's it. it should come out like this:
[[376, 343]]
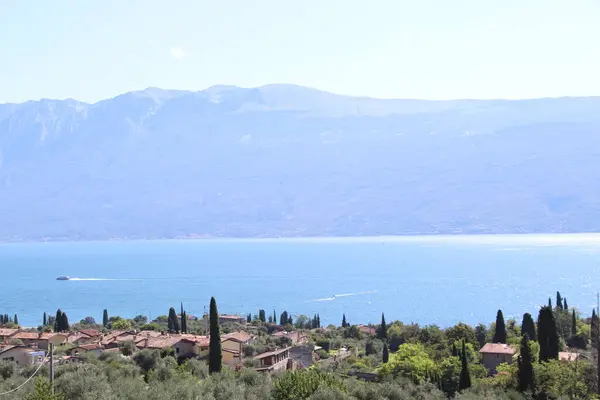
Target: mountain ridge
[[294, 161]]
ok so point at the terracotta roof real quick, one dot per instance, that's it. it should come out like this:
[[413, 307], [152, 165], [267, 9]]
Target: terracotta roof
[[29, 349], [26, 335], [567, 356], [48, 335], [498, 348], [201, 341], [112, 335], [369, 330], [90, 332], [162, 342], [89, 346], [240, 336], [8, 331], [271, 353], [149, 333], [232, 317]]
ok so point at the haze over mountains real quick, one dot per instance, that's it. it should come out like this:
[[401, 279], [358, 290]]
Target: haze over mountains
[[284, 160]]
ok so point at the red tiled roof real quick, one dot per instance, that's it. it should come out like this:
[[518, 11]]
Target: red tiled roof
[[162, 342], [239, 336], [90, 332], [8, 331], [89, 346], [498, 348], [271, 353], [201, 341], [232, 317], [26, 335], [149, 333]]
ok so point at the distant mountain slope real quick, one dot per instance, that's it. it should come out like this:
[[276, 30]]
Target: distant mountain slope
[[283, 160]]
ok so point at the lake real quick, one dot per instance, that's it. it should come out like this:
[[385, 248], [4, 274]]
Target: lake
[[426, 279]]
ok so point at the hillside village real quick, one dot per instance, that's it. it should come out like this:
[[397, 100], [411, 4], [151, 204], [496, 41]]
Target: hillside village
[[560, 349]]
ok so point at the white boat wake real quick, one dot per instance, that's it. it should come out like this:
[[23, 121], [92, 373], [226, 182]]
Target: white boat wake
[[105, 279]]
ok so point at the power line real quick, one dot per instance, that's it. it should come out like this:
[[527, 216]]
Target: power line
[[28, 379]]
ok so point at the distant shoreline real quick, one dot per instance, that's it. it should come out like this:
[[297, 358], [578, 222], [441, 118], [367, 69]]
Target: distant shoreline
[[484, 238]]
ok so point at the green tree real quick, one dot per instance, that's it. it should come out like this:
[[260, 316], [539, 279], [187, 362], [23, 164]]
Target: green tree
[[480, 334], [120, 324], [559, 302], [343, 320], [549, 302], [45, 320], [573, 323], [565, 305], [16, 320], [528, 327], [249, 318], [105, 318], [43, 391], [382, 331], [465, 375], [302, 384], [410, 361], [215, 357], [547, 335], [500, 332], [262, 316], [386, 353], [461, 331], [525, 365], [274, 317]]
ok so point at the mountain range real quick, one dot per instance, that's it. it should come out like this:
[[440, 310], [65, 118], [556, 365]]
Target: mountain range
[[285, 161]]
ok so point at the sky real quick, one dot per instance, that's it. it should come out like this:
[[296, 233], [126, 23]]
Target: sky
[[427, 49]]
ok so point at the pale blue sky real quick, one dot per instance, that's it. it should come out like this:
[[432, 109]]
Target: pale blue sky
[[433, 49]]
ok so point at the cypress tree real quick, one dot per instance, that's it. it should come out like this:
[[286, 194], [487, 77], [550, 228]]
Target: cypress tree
[[283, 319], [454, 350], [528, 327], [290, 320], [215, 356], [105, 318], [500, 332], [525, 365], [184, 322], [573, 323], [249, 318], [270, 319], [465, 375], [382, 333], [565, 305], [594, 329], [547, 335], [343, 320], [65, 322], [559, 302], [58, 321], [549, 302], [274, 317], [45, 320], [386, 353], [171, 320], [262, 316], [16, 320], [318, 321]]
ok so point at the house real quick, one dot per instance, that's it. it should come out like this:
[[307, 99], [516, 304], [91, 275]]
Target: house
[[494, 354], [22, 355], [92, 348], [296, 337], [367, 330], [70, 360], [85, 336], [567, 356], [225, 318], [233, 345], [272, 361], [41, 340], [6, 333]]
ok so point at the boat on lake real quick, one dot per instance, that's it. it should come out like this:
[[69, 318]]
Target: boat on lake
[[63, 278]]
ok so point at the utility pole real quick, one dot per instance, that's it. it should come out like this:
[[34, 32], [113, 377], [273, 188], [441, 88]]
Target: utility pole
[[52, 367]]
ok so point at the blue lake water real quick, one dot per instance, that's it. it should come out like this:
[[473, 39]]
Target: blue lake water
[[427, 280]]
